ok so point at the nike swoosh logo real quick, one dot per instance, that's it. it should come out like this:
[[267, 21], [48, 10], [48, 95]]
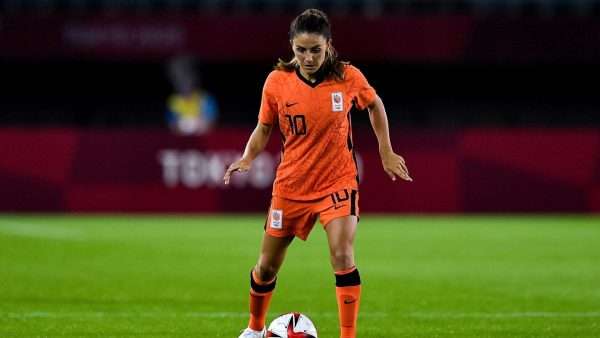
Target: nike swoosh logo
[[338, 206], [288, 104], [349, 301]]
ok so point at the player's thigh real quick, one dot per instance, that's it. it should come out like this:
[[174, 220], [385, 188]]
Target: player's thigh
[[340, 235], [272, 254], [341, 232]]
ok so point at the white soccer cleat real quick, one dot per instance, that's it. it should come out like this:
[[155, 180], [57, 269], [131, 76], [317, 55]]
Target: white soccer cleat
[[249, 333]]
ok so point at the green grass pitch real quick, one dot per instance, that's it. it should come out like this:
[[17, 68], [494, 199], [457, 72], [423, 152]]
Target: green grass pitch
[[187, 276]]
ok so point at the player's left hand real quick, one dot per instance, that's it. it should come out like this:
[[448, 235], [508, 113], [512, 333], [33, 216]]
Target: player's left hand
[[394, 165]]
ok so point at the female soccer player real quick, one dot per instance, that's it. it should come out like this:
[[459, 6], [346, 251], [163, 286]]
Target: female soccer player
[[309, 99]]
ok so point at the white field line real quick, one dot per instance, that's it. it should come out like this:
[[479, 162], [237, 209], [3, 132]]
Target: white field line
[[415, 315], [41, 231], [52, 315], [502, 315]]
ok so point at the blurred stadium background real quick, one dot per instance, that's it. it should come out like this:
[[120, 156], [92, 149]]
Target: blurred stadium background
[[494, 105]]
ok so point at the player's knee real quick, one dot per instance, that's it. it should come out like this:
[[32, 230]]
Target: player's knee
[[265, 272], [342, 259]]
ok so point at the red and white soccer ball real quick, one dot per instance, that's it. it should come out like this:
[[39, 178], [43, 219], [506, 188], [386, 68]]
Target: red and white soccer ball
[[292, 325]]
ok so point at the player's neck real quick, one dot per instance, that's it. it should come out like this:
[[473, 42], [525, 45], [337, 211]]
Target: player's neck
[[311, 78]]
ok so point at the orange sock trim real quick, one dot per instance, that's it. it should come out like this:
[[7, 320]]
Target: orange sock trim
[[348, 298]]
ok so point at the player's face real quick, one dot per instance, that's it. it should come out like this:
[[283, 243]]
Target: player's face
[[309, 49]]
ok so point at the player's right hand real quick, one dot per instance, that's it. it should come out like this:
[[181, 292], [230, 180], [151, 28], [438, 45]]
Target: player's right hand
[[240, 165]]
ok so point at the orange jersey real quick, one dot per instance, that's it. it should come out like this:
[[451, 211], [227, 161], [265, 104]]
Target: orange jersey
[[314, 122]]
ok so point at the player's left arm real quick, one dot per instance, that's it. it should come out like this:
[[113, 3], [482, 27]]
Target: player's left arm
[[393, 164]]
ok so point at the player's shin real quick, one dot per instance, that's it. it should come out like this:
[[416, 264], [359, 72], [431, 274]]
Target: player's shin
[[260, 298], [348, 290]]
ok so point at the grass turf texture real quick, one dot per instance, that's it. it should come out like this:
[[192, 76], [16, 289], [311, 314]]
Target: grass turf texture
[[184, 276]]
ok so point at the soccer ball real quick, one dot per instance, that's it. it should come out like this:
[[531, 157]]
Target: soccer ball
[[292, 325]]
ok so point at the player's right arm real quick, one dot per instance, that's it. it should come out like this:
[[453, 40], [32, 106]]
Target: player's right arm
[[267, 117], [256, 143]]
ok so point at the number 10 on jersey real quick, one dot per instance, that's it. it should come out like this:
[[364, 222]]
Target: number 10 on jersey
[[297, 124]]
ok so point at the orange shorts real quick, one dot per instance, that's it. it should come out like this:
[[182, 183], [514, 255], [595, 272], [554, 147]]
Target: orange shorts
[[297, 218]]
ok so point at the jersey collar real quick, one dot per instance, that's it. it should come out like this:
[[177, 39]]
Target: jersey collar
[[320, 78]]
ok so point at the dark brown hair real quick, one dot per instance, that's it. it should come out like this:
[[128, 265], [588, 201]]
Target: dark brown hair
[[316, 22]]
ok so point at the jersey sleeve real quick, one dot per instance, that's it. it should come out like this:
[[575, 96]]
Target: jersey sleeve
[[364, 93], [268, 104]]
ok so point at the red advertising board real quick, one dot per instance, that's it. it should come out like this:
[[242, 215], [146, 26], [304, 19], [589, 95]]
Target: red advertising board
[[150, 170]]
